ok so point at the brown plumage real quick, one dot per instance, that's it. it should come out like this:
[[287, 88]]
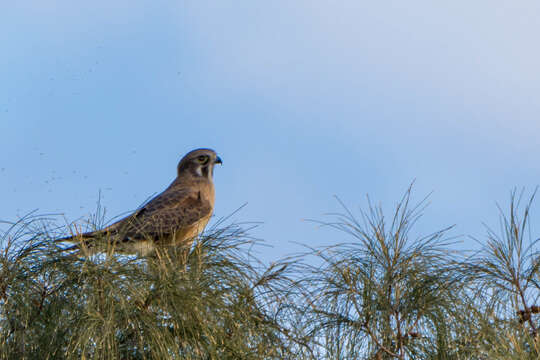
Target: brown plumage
[[174, 217]]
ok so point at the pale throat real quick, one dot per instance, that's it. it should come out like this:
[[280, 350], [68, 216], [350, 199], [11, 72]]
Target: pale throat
[[203, 171]]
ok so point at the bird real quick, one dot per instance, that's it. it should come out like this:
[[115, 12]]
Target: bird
[[172, 218]]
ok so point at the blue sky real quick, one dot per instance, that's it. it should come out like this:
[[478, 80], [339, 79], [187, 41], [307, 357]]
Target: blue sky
[[303, 100]]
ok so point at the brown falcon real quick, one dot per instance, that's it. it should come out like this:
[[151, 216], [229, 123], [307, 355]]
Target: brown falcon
[[174, 217]]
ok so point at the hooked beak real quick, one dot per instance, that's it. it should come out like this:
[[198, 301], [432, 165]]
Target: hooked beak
[[218, 160]]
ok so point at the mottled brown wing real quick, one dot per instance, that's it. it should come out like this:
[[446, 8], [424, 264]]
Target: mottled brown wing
[[165, 214]]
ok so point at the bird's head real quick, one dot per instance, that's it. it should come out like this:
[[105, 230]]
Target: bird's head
[[199, 163]]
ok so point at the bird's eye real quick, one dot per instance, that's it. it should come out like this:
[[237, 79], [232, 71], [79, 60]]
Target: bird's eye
[[203, 159]]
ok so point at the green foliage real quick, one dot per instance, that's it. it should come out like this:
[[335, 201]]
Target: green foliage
[[385, 294], [205, 305], [504, 283], [388, 293]]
